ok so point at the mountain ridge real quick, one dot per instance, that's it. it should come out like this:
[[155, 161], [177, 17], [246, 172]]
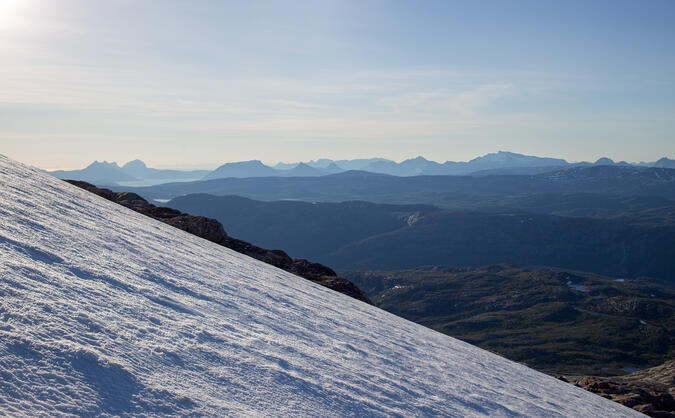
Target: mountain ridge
[[442, 191], [499, 163], [133, 172]]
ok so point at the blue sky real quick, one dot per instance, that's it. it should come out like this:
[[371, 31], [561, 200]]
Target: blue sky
[[184, 83]]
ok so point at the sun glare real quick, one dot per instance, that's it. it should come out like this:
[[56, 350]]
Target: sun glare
[[10, 13]]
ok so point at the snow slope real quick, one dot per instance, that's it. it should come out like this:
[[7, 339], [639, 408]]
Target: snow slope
[[105, 311]]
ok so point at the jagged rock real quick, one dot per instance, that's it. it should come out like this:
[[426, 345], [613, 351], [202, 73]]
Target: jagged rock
[[650, 391], [213, 231]]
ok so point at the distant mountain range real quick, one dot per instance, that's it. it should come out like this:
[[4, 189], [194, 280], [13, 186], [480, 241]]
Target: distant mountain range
[[96, 172], [133, 173], [140, 171], [445, 191], [500, 163], [256, 168]]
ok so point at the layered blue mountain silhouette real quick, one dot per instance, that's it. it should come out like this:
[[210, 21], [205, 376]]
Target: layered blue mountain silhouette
[[136, 172]]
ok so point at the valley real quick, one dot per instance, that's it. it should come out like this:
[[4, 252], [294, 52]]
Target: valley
[[362, 235], [555, 320]]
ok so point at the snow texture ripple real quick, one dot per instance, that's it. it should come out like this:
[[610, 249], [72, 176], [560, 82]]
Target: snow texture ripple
[[106, 312]]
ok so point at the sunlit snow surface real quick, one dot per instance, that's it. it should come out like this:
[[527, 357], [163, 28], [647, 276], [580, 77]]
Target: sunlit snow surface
[[105, 311]]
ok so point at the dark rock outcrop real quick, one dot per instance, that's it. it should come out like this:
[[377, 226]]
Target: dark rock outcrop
[[213, 231], [649, 391]]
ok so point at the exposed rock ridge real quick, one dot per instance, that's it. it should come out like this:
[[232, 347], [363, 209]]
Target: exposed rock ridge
[[649, 391], [213, 231]]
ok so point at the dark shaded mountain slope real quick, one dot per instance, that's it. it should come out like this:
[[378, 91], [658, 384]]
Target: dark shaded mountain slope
[[301, 228], [375, 236], [600, 246], [213, 231]]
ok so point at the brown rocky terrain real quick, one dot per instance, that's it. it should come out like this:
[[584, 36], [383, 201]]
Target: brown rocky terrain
[[213, 231], [650, 391]]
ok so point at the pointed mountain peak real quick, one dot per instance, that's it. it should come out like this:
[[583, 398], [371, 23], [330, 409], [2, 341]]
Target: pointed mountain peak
[[303, 169], [332, 168], [417, 160]]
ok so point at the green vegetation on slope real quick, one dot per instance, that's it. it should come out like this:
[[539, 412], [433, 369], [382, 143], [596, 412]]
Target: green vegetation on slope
[[553, 320]]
